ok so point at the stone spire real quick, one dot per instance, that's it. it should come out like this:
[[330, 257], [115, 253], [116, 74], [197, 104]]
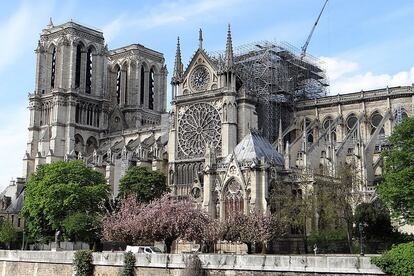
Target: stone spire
[[200, 39], [280, 138], [228, 58], [178, 65], [50, 25]]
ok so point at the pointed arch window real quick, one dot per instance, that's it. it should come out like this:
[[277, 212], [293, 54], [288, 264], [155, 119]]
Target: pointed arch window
[[126, 88], [53, 68], [118, 85], [151, 89], [78, 65], [233, 199], [88, 86], [142, 88], [78, 114]]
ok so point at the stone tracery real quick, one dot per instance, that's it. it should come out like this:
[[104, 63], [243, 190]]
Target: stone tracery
[[198, 126]]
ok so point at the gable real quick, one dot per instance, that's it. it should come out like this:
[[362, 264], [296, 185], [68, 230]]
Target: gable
[[200, 62]]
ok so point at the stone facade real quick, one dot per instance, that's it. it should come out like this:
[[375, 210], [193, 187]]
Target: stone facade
[[223, 144], [102, 106]]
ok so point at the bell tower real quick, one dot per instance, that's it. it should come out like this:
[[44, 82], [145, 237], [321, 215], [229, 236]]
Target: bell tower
[[66, 107]]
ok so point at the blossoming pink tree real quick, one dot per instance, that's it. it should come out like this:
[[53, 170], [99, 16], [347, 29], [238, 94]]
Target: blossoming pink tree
[[162, 219], [252, 228]]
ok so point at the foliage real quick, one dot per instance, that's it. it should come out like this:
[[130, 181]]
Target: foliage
[[292, 205], [82, 262], [162, 219], [58, 190], [397, 189], [214, 231], [326, 204], [129, 264], [123, 224], [376, 218], [7, 232], [253, 228], [398, 260], [147, 185], [82, 227]]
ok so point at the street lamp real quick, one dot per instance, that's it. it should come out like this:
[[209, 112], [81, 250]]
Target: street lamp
[[361, 230]]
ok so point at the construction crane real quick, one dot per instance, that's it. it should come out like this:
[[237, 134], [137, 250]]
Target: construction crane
[[305, 46]]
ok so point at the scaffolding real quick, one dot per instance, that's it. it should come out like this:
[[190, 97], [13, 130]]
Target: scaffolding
[[277, 76]]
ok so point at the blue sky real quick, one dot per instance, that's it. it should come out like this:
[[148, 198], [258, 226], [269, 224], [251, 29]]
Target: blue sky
[[364, 44]]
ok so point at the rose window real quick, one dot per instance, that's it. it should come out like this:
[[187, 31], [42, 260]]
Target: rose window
[[200, 78], [199, 126]]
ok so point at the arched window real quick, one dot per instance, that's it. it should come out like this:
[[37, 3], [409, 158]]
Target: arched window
[[53, 68], [78, 114], [151, 89], [88, 86], [351, 122], [118, 84], [91, 145], [78, 65], [399, 114], [233, 199], [126, 87], [142, 88], [79, 144], [327, 122], [376, 119]]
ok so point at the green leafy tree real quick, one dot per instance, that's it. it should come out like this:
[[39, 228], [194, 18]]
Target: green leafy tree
[[145, 184], [397, 189], [82, 227], [59, 190], [398, 260], [377, 219], [7, 232]]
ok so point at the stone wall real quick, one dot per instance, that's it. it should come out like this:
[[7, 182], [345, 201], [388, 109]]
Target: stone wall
[[48, 263]]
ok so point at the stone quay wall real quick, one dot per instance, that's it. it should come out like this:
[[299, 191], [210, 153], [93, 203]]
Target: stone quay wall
[[48, 263]]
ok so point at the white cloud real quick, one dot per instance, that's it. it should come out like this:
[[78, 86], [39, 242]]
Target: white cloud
[[20, 28], [13, 135], [165, 13], [345, 77]]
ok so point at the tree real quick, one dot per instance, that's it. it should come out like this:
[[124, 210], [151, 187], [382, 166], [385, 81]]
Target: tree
[[7, 232], [213, 232], [253, 228], [293, 205], [335, 199], [125, 223], [397, 188], [82, 227], [147, 185], [59, 190], [377, 219], [162, 219]]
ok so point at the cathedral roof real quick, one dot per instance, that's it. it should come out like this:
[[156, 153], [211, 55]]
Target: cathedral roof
[[254, 147], [16, 205]]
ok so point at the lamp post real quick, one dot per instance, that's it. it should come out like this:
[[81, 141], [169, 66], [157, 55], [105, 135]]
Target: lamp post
[[361, 230]]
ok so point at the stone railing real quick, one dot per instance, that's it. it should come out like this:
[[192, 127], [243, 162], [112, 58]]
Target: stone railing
[[357, 96], [307, 264]]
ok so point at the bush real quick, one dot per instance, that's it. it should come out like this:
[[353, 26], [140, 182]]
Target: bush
[[129, 264], [398, 260], [83, 263]]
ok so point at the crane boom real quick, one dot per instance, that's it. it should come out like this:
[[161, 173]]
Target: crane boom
[[305, 46]]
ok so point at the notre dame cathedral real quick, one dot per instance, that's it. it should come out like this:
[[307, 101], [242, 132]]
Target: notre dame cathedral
[[240, 119]]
